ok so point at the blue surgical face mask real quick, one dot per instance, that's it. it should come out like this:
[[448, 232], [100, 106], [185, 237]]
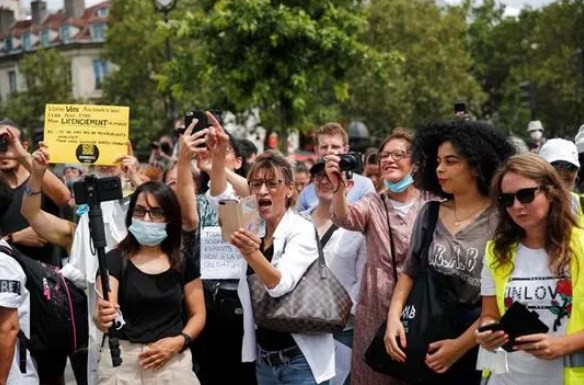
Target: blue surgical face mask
[[148, 233], [400, 186]]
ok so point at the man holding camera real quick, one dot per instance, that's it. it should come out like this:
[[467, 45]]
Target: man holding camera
[[332, 139], [14, 159]]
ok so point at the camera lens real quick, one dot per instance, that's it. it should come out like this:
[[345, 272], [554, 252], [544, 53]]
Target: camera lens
[[3, 144], [350, 162]]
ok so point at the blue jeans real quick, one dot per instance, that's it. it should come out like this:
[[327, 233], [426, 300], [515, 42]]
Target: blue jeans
[[295, 371]]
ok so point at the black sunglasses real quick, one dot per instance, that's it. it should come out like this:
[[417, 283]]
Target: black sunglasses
[[561, 165], [525, 195]]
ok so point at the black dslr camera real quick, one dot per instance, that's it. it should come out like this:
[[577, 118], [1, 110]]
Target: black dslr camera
[[97, 190], [351, 162]]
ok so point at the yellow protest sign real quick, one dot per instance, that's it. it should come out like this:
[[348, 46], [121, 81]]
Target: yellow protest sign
[[90, 134]]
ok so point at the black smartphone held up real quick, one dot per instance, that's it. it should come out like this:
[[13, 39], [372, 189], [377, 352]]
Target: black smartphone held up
[[459, 107], [202, 122]]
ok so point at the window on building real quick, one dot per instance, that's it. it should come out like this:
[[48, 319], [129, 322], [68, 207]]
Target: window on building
[[45, 37], [100, 71], [102, 12], [8, 44], [64, 34], [12, 81], [26, 43], [98, 31]]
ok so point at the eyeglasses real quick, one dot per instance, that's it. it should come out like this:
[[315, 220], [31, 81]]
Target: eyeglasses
[[396, 155], [155, 214], [320, 176], [561, 165], [525, 195], [271, 184]]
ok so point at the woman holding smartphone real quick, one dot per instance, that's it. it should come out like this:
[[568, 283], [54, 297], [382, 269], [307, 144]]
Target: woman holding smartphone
[[280, 254], [536, 258]]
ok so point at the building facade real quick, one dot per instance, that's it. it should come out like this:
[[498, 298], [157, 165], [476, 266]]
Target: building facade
[[77, 32]]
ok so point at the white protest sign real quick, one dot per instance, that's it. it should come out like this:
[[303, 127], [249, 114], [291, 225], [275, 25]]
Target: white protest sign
[[219, 259]]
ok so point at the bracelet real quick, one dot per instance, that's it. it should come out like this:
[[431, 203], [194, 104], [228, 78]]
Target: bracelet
[[187, 342]]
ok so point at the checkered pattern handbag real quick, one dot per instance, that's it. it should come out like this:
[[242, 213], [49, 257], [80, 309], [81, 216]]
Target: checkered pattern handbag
[[318, 303]]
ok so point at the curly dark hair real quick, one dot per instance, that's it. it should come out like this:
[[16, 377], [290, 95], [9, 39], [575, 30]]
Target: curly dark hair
[[484, 147]]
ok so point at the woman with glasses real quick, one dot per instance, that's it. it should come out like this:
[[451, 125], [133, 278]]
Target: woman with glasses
[[153, 289], [536, 259], [279, 255], [455, 161], [386, 221]]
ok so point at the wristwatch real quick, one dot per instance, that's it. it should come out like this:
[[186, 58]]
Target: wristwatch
[[187, 342], [28, 191]]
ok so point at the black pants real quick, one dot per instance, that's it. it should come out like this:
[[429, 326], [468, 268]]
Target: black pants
[[463, 372], [217, 352], [51, 366]]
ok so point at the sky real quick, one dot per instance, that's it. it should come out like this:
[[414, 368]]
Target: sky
[[513, 6]]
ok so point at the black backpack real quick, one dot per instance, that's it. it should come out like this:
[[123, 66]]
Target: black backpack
[[58, 310]]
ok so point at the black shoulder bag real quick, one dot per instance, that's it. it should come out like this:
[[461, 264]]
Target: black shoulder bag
[[425, 316]]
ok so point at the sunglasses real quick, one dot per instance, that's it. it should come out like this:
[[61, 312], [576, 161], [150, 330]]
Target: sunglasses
[[525, 195], [561, 165]]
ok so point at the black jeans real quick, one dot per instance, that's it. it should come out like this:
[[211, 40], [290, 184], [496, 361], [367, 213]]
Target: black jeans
[[217, 353]]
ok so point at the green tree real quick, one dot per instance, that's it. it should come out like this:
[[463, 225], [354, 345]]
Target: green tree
[[433, 71], [46, 75], [290, 59]]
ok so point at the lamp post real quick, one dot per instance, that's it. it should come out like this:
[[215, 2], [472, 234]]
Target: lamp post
[[165, 6]]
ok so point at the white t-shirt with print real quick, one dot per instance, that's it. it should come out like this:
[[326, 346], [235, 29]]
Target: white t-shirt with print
[[14, 295], [402, 208], [533, 284]]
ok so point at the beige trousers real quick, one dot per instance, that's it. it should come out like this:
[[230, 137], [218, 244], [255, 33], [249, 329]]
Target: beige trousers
[[178, 371]]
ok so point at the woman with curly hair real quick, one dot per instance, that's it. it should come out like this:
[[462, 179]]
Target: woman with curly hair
[[456, 161], [535, 259]]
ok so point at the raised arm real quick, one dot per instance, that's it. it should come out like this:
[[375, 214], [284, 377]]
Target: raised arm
[[47, 226], [217, 142], [190, 145]]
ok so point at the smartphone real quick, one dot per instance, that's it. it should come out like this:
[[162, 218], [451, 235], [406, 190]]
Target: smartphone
[[201, 116], [496, 326], [459, 107]]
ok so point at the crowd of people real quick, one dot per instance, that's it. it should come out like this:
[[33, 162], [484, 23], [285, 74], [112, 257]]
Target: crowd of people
[[454, 213]]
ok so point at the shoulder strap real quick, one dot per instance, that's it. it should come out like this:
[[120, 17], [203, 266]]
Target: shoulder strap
[[327, 236], [391, 248], [430, 226], [23, 345]]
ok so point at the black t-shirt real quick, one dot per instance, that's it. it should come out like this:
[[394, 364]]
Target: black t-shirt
[[151, 304], [13, 221], [271, 340]]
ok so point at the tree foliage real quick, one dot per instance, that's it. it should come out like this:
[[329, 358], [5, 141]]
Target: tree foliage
[[46, 76], [288, 58]]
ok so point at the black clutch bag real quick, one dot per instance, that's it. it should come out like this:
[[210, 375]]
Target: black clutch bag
[[519, 321]]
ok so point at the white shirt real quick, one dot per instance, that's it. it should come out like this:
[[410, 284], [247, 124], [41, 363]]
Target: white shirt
[[14, 295], [82, 268], [345, 254], [402, 208], [297, 234], [532, 284]]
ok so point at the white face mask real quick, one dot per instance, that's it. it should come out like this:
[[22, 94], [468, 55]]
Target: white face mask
[[536, 135]]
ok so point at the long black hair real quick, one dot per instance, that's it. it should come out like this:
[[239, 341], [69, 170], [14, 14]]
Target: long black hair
[[168, 202]]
